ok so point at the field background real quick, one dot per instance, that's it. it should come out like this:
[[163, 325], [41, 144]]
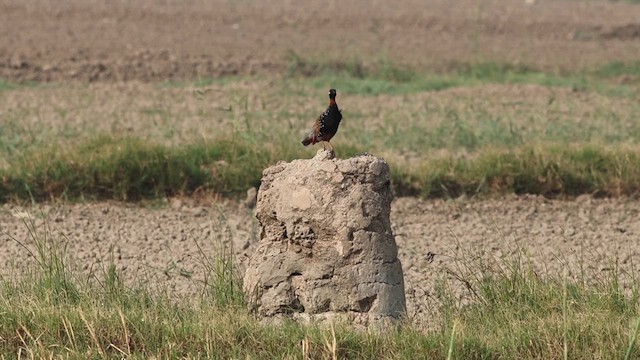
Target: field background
[[130, 131]]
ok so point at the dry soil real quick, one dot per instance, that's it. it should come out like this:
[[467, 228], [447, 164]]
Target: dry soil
[[91, 40]]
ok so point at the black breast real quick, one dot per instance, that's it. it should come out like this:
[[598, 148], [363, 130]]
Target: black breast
[[329, 122]]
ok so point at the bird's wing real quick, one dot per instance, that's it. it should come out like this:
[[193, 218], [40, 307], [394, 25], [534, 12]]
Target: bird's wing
[[317, 126]]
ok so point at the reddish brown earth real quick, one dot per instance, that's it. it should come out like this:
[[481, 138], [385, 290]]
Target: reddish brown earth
[[162, 40], [84, 41]]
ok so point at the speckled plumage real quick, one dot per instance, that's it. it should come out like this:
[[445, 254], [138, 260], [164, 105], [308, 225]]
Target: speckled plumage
[[327, 123]]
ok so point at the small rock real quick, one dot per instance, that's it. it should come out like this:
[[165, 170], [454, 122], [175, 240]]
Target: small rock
[[252, 198]]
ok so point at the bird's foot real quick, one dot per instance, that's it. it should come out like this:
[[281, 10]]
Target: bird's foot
[[323, 154]]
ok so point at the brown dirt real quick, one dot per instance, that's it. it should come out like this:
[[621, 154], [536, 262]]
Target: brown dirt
[[159, 40]]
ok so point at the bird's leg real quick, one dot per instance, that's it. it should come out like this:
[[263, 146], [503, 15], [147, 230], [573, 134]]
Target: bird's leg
[[330, 146], [331, 152], [324, 147]]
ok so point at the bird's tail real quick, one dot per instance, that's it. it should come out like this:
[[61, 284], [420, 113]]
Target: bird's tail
[[308, 140]]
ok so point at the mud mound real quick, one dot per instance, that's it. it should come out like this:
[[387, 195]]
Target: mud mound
[[326, 249]]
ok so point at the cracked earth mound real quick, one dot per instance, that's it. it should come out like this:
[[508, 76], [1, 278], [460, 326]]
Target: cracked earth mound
[[326, 247]]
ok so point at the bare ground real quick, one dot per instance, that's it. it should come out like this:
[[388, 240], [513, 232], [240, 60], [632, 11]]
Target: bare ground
[[168, 246], [158, 40]]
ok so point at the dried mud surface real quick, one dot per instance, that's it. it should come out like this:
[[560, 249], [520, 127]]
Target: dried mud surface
[[169, 246], [162, 40]]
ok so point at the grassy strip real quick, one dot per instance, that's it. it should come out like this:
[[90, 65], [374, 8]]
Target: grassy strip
[[383, 68], [550, 171], [382, 76], [386, 77], [392, 80], [130, 169], [514, 314]]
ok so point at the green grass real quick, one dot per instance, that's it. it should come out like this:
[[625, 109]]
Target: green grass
[[474, 76], [384, 77], [512, 312], [617, 68], [132, 169], [391, 80], [550, 171], [4, 85], [11, 85]]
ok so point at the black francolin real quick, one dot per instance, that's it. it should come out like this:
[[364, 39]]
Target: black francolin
[[326, 125]]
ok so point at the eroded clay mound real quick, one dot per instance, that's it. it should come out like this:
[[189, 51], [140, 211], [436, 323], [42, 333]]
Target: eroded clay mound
[[326, 246]]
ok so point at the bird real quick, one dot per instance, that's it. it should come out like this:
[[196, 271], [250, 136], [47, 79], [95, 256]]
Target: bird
[[326, 125]]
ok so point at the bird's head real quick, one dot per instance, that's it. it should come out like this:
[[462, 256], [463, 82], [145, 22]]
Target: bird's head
[[332, 94]]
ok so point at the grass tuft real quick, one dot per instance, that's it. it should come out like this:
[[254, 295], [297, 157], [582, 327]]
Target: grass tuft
[[540, 315], [222, 283], [55, 281]]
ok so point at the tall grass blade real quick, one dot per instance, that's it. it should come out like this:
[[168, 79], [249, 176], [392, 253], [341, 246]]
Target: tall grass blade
[[632, 340]]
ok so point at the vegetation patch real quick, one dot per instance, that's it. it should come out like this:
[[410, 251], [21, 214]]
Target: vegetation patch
[[385, 77], [550, 171], [218, 135], [132, 169]]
